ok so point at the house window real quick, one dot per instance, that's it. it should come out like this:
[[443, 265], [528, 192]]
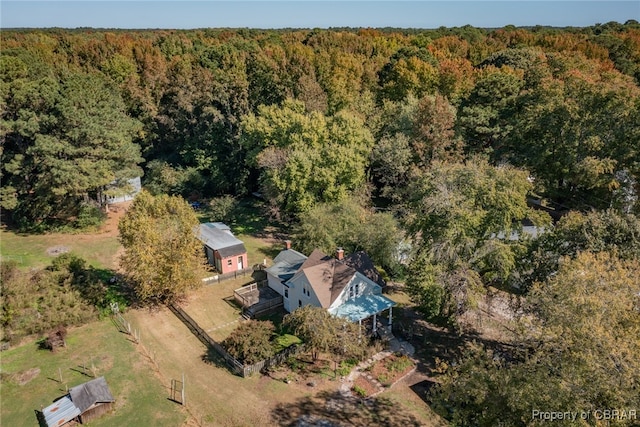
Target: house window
[[286, 292], [229, 262], [299, 303], [354, 291]]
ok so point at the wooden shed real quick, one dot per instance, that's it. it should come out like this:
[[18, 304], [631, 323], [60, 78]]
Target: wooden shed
[[92, 398], [84, 403], [223, 249]]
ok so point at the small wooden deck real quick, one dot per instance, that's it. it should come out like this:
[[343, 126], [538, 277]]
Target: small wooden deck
[[257, 299]]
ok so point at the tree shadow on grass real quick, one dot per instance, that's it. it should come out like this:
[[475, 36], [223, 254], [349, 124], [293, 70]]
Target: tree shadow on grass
[[330, 408], [212, 357], [273, 250]]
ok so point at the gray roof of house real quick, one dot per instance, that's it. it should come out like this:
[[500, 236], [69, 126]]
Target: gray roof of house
[[286, 264], [84, 396], [218, 237], [361, 262]]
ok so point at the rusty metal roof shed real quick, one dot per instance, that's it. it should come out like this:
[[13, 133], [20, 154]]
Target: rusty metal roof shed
[[60, 412]]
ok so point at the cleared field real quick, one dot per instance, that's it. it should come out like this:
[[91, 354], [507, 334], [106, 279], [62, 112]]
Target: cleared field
[[99, 249], [141, 396]]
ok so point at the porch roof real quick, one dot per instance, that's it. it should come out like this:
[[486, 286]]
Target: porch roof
[[363, 306]]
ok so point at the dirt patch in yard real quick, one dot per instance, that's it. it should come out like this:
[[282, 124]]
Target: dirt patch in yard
[[57, 250], [22, 378]]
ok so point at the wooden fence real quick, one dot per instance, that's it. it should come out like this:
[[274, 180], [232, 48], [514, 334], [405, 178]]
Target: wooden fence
[[226, 276], [235, 366], [264, 307]]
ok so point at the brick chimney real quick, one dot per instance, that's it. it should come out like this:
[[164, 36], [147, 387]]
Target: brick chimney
[[340, 254], [287, 244]]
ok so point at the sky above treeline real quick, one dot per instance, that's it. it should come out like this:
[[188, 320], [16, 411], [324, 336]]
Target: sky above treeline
[[310, 14]]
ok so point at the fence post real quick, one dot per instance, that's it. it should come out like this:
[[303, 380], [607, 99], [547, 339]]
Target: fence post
[[183, 401]]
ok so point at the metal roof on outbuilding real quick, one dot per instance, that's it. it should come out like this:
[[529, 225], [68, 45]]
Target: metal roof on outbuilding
[[88, 394], [60, 412], [218, 237]]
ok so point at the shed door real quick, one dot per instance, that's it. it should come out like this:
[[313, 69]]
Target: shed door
[[240, 263]]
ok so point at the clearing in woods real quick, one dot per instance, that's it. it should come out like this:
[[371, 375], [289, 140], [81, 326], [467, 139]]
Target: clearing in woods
[[100, 248], [140, 375]]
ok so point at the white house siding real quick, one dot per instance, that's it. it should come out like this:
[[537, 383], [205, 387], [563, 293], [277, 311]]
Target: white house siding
[[297, 294], [364, 287]]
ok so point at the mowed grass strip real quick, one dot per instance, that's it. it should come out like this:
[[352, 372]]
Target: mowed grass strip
[[141, 397], [214, 395], [30, 250]]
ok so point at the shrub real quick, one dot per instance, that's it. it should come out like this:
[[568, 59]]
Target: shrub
[[384, 380], [35, 302], [359, 391], [89, 216], [399, 363], [250, 342], [285, 341], [346, 366], [221, 208], [294, 364]]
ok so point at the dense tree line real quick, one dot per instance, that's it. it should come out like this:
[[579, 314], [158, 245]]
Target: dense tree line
[[301, 115]]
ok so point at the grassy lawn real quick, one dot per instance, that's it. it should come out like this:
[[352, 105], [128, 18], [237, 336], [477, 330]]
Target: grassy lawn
[[260, 249], [30, 251], [141, 397], [209, 309], [214, 395], [402, 396]]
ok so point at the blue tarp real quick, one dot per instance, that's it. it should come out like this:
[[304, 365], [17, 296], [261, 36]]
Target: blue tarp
[[363, 306]]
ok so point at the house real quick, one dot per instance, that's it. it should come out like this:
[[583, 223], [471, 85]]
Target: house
[[224, 251], [134, 185], [347, 287], [84, 403]]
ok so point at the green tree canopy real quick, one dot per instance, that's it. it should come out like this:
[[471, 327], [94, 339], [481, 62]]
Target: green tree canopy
[[607, 231], [163, 256], [65, 141], [576, 352], [251, 342], [353, 227], [458, 213], [324, 333], [305, 158]]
